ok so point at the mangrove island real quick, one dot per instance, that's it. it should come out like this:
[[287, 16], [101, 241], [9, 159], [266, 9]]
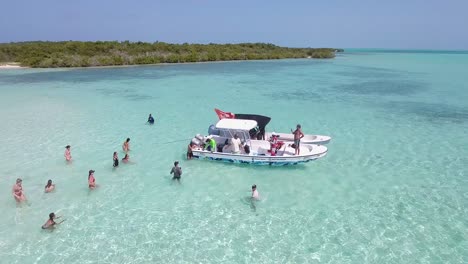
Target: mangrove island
[[45, 54]]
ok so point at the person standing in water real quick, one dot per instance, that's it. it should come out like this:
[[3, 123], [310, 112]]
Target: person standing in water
[[297, 138], [50, 223], [18, 191], [126, 158], [255, 195], [67, 153], [150, 119], [177, 171], [116, 159], [126, 145], [189, 150], [91, 180], [49, 186]]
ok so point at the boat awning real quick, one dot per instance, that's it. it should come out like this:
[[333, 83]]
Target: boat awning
[[236, 124]]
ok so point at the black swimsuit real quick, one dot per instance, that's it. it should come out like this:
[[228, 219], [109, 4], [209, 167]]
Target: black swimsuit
[[116, 162]]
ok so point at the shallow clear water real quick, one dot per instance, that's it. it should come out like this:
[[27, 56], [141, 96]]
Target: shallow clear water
[[392, 189]]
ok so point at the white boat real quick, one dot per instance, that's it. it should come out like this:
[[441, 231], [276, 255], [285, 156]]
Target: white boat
[[261, 133], [261, 152]]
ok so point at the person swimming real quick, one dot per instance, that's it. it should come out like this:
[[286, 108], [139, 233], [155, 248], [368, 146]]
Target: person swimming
[[50, 223], [67, 153], [116, 159], [18, 191], [91, 180], [150, 119], [49, 186], [126, 158], [126, 145]]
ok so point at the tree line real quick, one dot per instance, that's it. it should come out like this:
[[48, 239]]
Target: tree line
[[46, 54]]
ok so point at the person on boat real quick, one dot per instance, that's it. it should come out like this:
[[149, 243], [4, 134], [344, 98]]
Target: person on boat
[[91, 180], [150, 119], [126, 145], [116, 159], [18, 191], [255, 195], [126, 159], [177, 171], [274, 144], [190, 147], [210, 144], [226, 147], [236, 144], [297, 138], [49, 186], [50, 223], [67, 153]]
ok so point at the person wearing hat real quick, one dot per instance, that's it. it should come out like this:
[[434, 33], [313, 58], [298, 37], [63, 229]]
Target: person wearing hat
[[18, 191], [177, 171], [210, 144], [91, 180]]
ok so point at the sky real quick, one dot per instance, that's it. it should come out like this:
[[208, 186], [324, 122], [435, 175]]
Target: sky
[[398, 24]]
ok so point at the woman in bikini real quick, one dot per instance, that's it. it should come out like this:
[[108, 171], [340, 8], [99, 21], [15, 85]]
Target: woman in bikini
[[18, 191], [91, 180], [126, 145], [67, 153], [116, 159]]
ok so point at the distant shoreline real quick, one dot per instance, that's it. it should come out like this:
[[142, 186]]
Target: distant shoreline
[[11, 65], [16, 66], [78, 54]]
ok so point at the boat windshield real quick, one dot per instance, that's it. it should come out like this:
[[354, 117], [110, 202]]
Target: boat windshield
[[229, 133]]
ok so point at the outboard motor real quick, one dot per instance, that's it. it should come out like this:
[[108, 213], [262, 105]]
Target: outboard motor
[[212, 130], [196, 141]]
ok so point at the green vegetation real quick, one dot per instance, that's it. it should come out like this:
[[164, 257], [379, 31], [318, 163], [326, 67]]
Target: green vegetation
[[106, 53]]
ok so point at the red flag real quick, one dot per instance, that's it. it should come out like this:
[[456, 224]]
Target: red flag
[[222, 115]]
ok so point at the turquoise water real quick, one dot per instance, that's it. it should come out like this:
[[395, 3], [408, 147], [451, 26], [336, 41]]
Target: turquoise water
[[392, 189]]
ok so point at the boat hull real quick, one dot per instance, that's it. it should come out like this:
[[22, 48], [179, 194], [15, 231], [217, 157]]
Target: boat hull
[[307, 139], [258, 159]]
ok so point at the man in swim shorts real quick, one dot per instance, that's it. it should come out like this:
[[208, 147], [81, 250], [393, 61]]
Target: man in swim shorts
[[297, 138], [177, 171]]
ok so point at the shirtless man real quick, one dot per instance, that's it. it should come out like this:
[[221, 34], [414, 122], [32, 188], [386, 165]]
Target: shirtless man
[[50, 222], [18, 191], [297, 138]]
